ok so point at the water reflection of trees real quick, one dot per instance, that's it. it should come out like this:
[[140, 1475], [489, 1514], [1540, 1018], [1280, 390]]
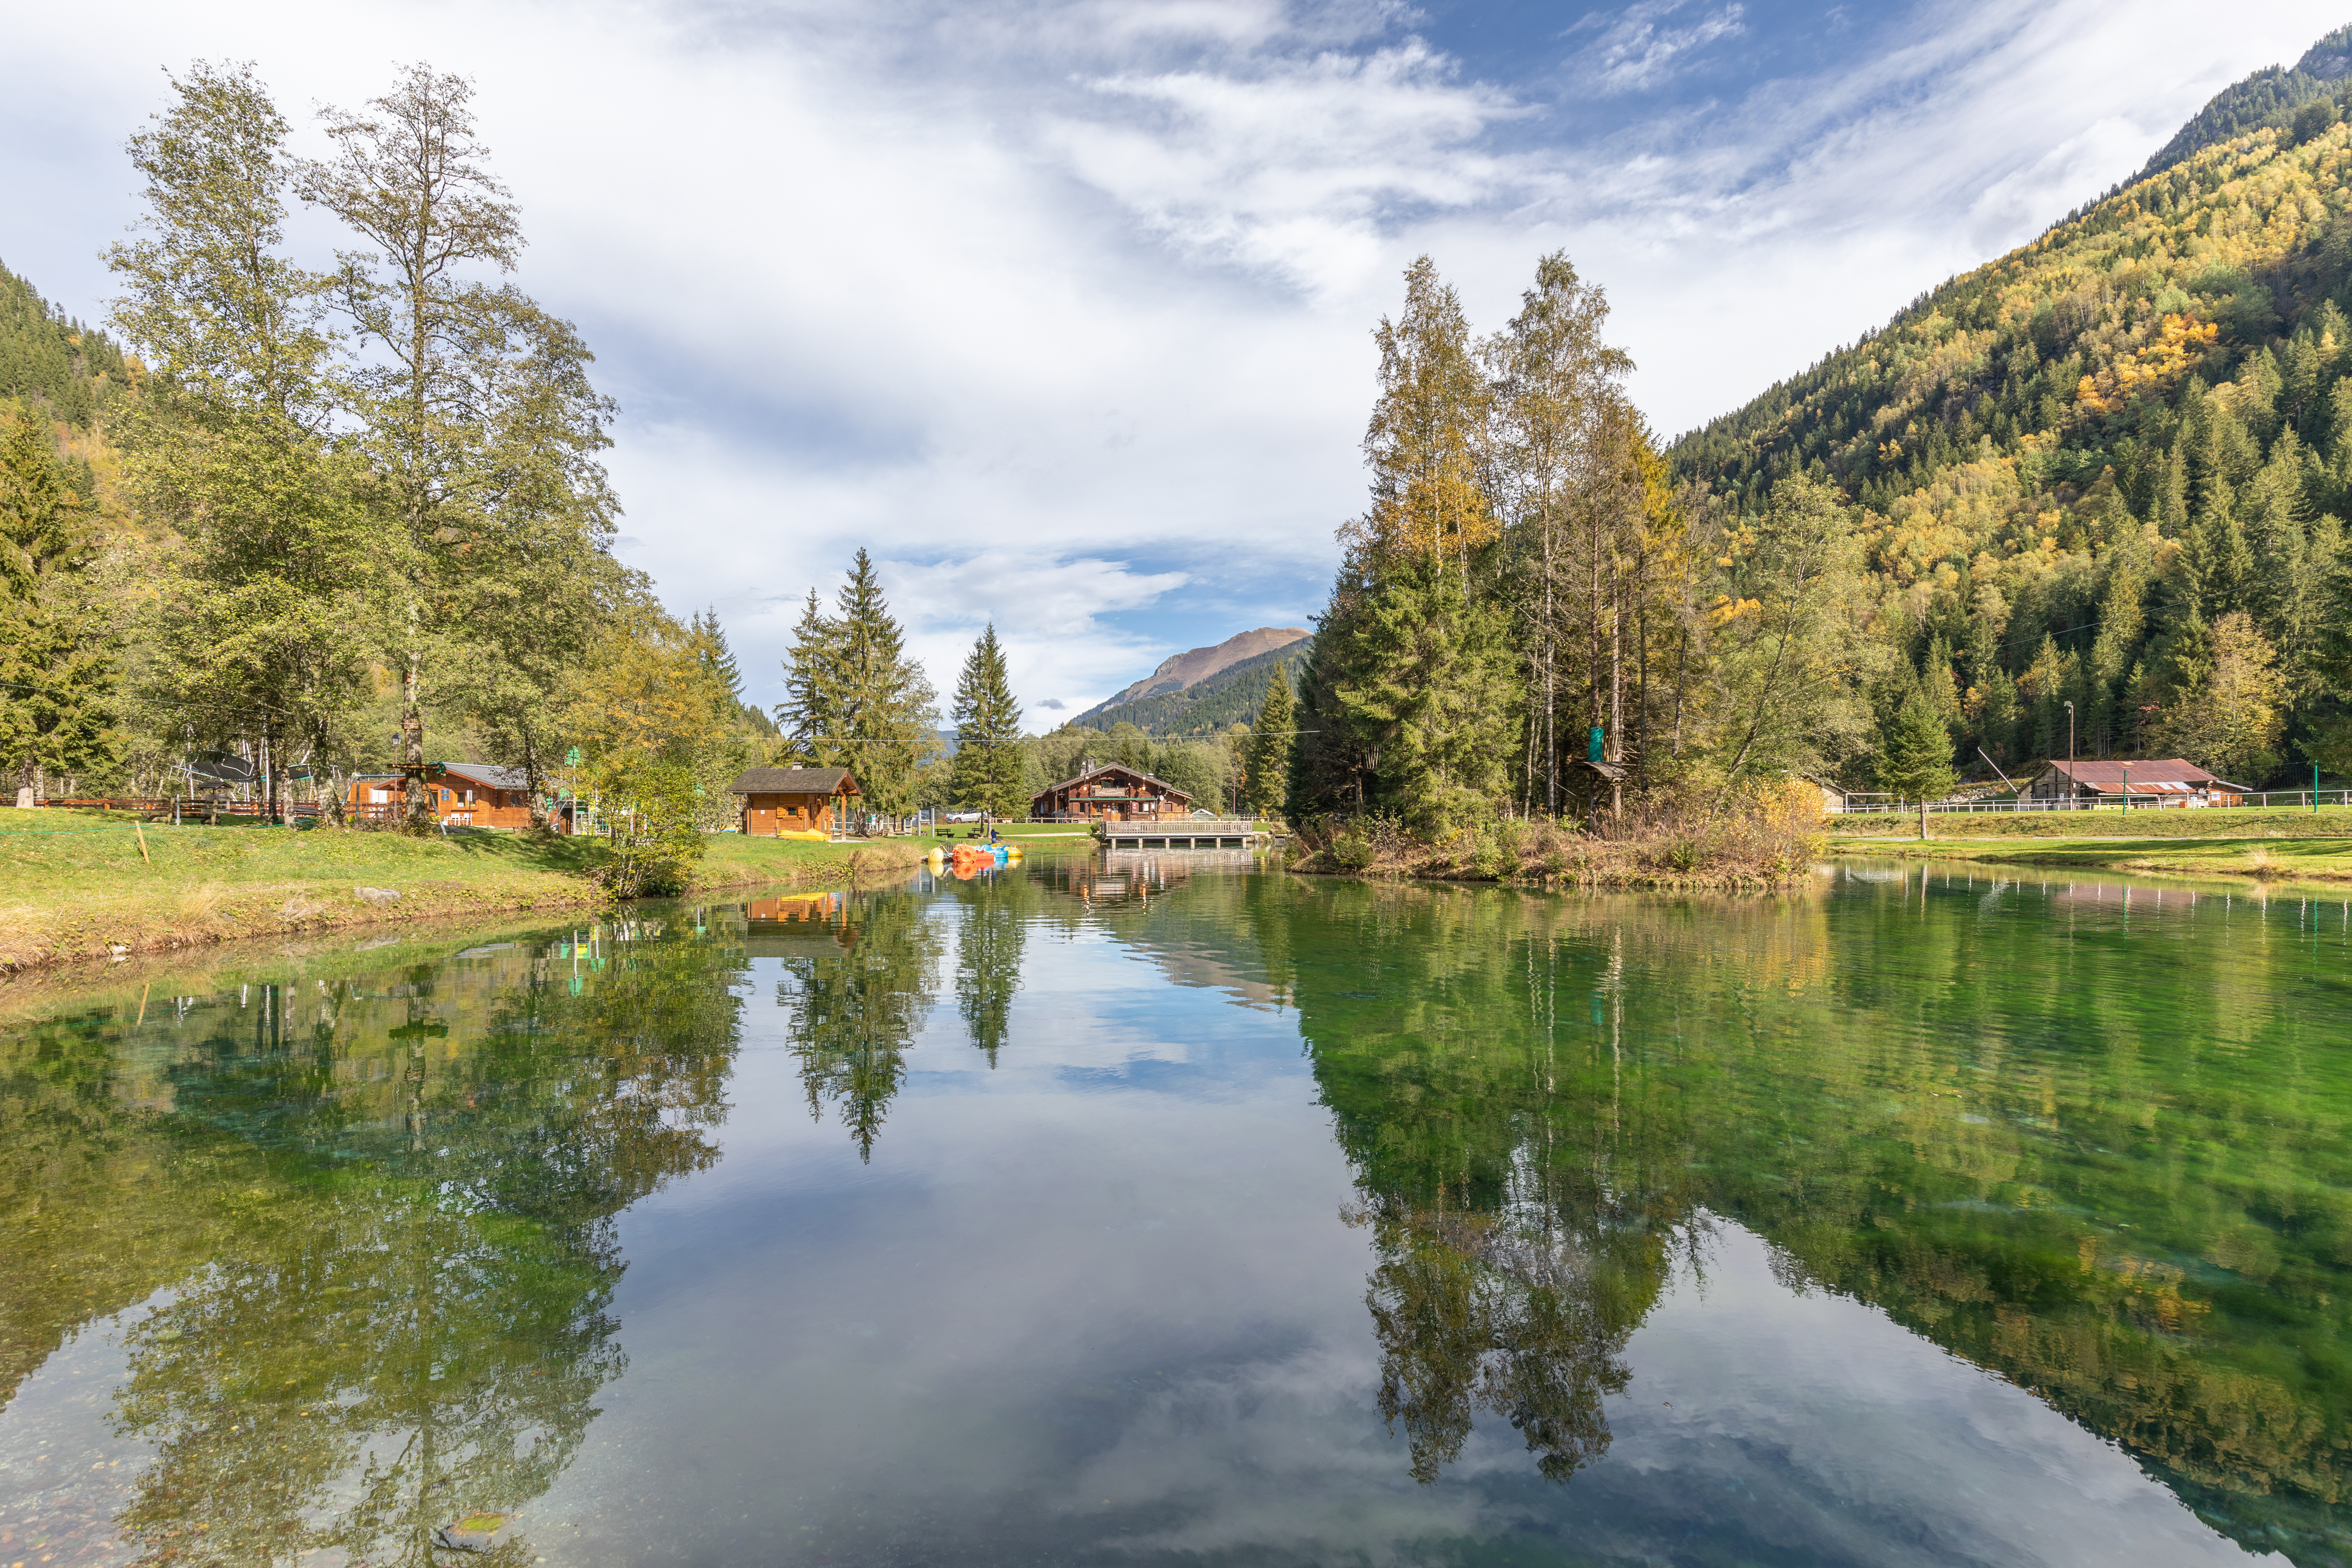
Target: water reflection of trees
[[1504, 1313], [857, 999], [992, 938], [401, 1186], [1916, 1104]]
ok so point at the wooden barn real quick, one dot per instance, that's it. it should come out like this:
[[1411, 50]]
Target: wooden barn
[[1107, 790], [2156, 780], [786, 803]]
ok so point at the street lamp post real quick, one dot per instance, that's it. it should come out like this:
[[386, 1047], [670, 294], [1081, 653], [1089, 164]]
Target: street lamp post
[[2070, 786], [2128, 788]]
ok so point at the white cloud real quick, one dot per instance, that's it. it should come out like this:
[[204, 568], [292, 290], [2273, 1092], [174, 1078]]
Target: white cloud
[[1637, 51], [1046, 609], [1293, 167], [1077, 293]]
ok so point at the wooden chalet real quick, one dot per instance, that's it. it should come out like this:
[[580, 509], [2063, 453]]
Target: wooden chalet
[[1111, 791], [462, 794], [779, 802], [2156, 781]]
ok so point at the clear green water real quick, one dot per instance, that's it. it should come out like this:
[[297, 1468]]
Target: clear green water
[[1171, 1212]]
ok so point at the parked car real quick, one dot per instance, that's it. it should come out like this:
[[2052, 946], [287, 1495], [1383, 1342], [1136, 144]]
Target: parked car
[[961, 817]]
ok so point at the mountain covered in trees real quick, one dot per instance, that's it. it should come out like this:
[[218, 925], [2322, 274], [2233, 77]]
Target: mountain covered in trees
[[2087, 495], [1229, 695], [2270, 97], [2110, 466], [1179, 671]]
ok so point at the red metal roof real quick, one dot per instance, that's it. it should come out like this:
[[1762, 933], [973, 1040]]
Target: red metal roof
[[2154, 775]]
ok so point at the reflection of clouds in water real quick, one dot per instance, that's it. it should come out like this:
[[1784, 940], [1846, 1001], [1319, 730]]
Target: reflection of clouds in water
[[1830, 1430], [1285, 1456], [1824, 1431]]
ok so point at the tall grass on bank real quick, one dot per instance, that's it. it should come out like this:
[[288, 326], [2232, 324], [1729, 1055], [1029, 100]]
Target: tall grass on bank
[[1760, 835], [81, 884]]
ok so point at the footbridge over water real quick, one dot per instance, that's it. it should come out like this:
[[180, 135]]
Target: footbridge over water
[[1181, 833]]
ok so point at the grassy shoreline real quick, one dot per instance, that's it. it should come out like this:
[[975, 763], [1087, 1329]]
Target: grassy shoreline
[[79, 885], [1752, 854], [2227, 823], [2273, 860]]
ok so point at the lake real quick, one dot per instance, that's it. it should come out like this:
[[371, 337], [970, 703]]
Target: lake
[[1162, 1210]]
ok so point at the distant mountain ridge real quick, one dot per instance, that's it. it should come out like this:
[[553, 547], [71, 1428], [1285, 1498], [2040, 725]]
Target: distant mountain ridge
[[1229, 697], [1190, 669], [2268, 97]]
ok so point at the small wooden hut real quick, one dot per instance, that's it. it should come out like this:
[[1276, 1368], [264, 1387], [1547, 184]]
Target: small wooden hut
[[794, 802]]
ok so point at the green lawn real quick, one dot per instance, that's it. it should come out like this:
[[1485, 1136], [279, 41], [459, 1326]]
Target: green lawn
[[2211, 823], [76, 884], [2275, 859]]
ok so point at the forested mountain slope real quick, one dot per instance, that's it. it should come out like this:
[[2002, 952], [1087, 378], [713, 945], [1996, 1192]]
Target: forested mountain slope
[[2109, 467], [2268, 97], [1182, 672], [74, 369], [1227, 698], [60, 368]]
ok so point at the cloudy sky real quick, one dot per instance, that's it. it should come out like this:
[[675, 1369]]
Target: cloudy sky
[[1062, 306]]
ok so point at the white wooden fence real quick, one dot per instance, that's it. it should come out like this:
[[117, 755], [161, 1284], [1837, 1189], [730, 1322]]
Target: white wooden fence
[[2275, 800]]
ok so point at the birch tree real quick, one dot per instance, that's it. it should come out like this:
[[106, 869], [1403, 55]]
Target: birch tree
[[477, 415]]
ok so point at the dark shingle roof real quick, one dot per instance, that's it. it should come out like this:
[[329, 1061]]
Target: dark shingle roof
[[794, 781], [489, 773]]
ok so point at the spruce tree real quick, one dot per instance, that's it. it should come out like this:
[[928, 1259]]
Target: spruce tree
[[1268, 778], [1436, 688], [1916, 754], [710, 645], [989, 939], [57, 671], [884, 705], [987, 771], [811, 715]]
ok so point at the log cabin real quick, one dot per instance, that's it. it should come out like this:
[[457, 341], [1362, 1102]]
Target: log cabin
[[462, 794], [1110, 790], [785, 803]]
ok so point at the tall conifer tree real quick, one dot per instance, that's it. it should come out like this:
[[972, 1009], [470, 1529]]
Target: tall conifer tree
[[1267, 775], [987, 772], [58, 670], [854, 698]]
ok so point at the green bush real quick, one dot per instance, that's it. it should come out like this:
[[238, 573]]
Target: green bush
[[651, 844]]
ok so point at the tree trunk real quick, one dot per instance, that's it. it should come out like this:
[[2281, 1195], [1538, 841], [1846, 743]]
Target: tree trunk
[[534, 795], [1642, 696], [412, 744]]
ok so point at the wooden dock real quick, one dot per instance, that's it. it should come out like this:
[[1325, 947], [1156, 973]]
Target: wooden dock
[[1179, 833]]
